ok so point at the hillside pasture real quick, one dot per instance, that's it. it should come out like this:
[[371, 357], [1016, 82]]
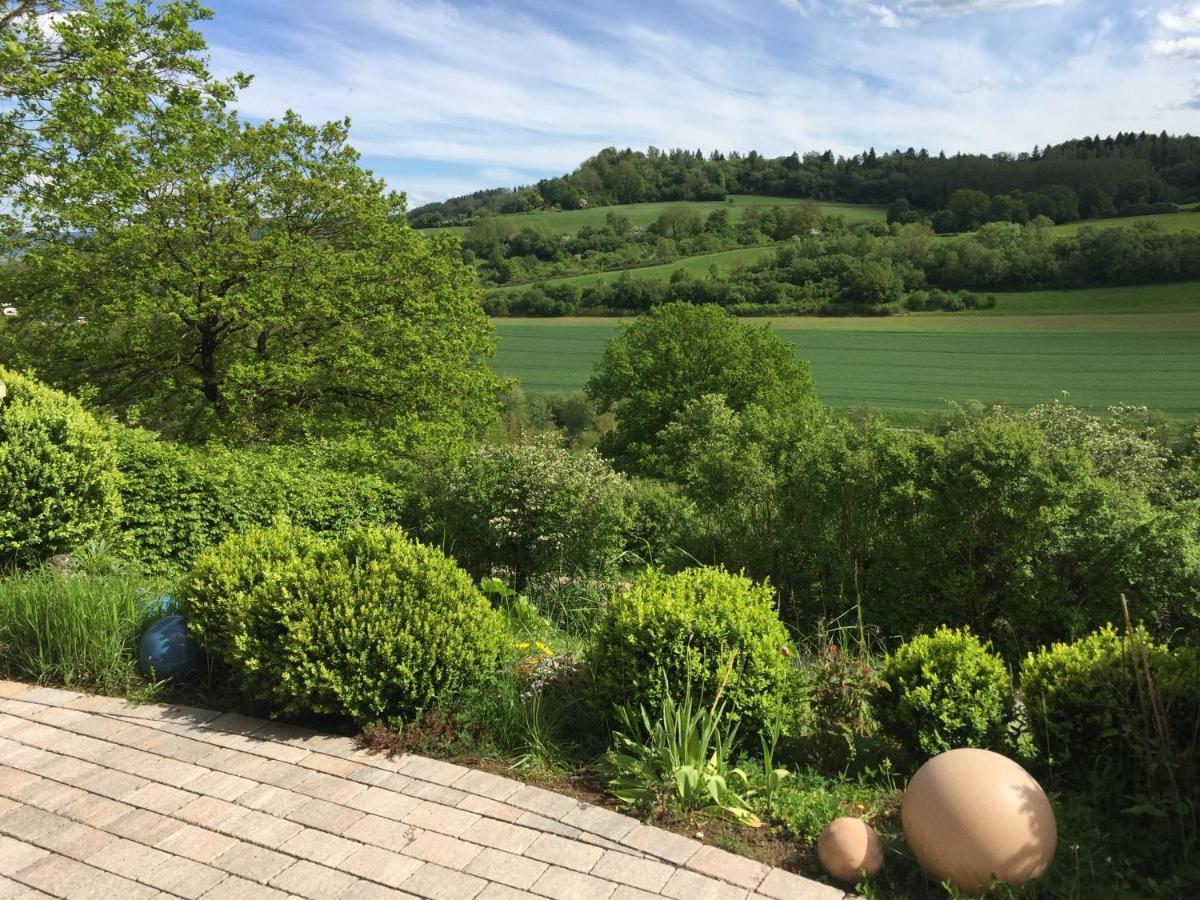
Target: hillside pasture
[[643, 214], [1184, 220]]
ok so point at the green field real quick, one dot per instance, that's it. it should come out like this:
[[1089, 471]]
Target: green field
[[912, 364], [1169, 222], [725, 261], [643, 214]]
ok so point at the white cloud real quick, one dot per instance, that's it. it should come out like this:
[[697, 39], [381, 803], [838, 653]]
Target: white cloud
[[1187, 47], [963, 7], [488, 97], [1182, 18]]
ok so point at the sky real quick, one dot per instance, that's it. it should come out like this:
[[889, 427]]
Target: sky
[[449, 97]]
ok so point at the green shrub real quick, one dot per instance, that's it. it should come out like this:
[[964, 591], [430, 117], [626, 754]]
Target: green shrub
[[73, 629], [532, 509], [367, 623], [702, 627], [178, 500], [1085, 703], [58, 481], [944, 690]]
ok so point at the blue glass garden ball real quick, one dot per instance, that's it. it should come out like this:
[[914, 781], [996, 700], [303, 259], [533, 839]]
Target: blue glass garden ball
[[167, 651]]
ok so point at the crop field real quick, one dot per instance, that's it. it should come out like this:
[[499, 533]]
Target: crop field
[[642, 214], [915, 364]]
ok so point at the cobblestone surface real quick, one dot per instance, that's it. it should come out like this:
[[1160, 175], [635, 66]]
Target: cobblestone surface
[[101, 798]]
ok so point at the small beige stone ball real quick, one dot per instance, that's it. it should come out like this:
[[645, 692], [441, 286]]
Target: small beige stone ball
[[848, 847], [971, 815]]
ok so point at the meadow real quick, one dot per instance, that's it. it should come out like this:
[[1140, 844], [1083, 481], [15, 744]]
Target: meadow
[[1172, 223], [1147, 354], [643, 214]]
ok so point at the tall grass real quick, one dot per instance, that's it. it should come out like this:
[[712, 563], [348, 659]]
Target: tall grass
[[74, 629]]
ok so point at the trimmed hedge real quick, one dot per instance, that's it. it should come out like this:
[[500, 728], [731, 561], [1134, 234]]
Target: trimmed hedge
[[669, 630], [179, 500], [58, 476], [367, 624], [1084, 705], [945, 690]]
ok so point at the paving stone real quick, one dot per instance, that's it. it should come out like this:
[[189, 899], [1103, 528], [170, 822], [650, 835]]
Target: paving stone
[[381, 832], [325, 815], [563, 852], [94, 810], [261, 828], [254, 863], [234, 888], [313, 881], [199, 844], [438, 883], [52, 796], [209, 812], [786, 886], [77, 841], [485, 784], [28, 823], [107, 886], [330, 765], [443, 850], [16, 855], [56, 875], [183, 877], [144, 826], [330, 787], [685, 885], [501, 835], [515, 871], [445, 819], [722, 864], [127, 858], [625, 892], [640, 873], [543, 802], [377, 864], [436, 793], [492, 809], [566, 884], [380, 801], [111, 784], [10, 689], [434, 770], [598, 820], [372, 774], [50, 696], [503, 892], [219, 784], [319, 846], [663, 844]]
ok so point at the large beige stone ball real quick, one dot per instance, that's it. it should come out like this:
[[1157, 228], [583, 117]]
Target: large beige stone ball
[[971, 815], [848, 847]]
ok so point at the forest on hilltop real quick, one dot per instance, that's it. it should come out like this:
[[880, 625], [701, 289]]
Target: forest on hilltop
[[1091, 177]]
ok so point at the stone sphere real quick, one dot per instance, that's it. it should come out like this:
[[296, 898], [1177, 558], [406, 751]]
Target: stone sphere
[[168, 651], [847, 847], [971, 815]]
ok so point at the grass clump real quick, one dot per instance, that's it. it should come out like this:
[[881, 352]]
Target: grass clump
[[74, 630]]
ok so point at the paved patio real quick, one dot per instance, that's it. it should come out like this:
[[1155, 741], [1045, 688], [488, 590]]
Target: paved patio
[[103, 799]]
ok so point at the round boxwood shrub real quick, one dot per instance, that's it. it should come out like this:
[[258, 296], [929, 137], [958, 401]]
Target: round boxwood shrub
[[366, 623], [944, 690], [1083, 705], [58, 476], [672, 630]]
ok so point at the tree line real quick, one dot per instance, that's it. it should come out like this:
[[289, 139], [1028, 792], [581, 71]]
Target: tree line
[[1083, 178]]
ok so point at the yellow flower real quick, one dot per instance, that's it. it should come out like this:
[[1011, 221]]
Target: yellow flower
[[521, 645], [543, 648]]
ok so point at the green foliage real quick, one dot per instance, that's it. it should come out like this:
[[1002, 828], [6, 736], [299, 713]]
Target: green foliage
[[264, 286], [58, 478], [1087, 702], [662, 360], [180, 500], [705, 628], [945, 690], [531, 509], [679, 758], [74, 629], [367, 624]]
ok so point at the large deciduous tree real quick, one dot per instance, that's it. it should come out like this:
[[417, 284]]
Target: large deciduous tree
[[261, 285], [677, 352]]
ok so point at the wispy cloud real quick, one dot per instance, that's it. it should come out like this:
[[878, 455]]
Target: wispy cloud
[[449, 97]]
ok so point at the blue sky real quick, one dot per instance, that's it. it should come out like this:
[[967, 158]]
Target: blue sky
[[448, 97]]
